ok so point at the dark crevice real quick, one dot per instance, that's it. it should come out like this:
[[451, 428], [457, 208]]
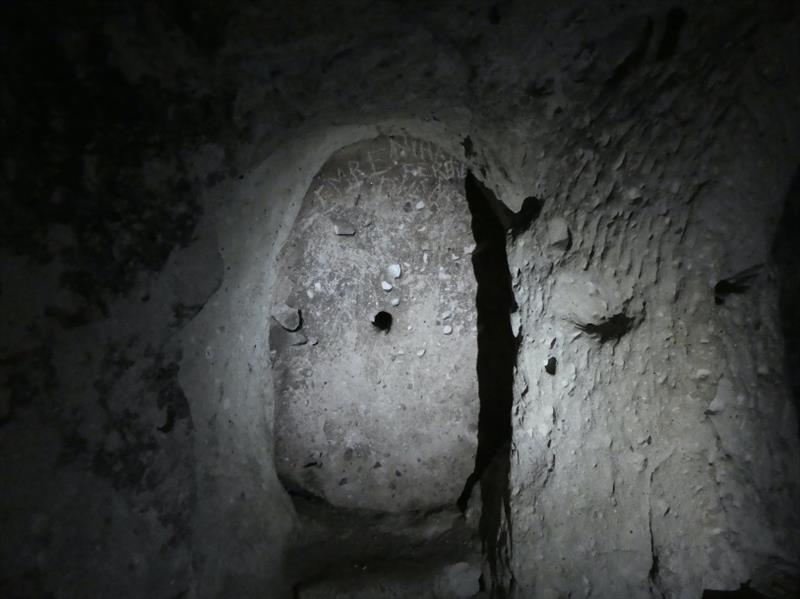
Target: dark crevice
[[295, 491], [735, 284], [786, 256], [743, 592], [633, 59], [469, 148], [610, 329], [382, 321], [550, 367], [521, 221], [494, 14], [497, 351], [676, 19], [170, 423]]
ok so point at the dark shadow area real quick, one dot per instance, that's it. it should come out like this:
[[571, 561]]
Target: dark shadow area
[[382, 321], [497, 351], [611, 329], [494, 15], [786, 254], [550, 367], [358, 549], [735, 284], [676, 19], [633, 60], [529, 212], [743, 592]]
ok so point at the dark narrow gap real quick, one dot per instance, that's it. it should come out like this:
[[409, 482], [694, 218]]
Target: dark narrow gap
[[743, 592], [676, 19], [497, 351], [786, 255], [634, 58]]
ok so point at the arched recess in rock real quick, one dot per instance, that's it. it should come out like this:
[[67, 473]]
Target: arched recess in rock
[[371, 416], [233, 399]]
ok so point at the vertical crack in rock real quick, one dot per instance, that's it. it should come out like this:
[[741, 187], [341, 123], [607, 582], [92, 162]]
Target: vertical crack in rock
[[497, 351], [676, 19], [786, 254], [653, 575], [634, 58]]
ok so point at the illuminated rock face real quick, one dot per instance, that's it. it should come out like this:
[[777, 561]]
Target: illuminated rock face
[[382, 418], [162, 165]]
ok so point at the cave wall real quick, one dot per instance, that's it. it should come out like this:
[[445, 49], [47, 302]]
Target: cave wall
[[368, 417], [157, 170]]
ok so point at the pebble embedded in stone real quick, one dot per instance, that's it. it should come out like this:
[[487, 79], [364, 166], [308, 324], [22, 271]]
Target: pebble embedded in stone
[[394, 271], [313, 340], [447, 329], [447, 315], [386, 286], [297, 338], [395, 301], [421, 353], [558, 235], [341, 227], [420, 205], [724, 396], [287, 316]]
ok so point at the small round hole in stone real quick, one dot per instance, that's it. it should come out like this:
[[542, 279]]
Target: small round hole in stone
[[382, 320]]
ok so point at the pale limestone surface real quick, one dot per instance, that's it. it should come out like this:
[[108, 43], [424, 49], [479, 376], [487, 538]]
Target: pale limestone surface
[[633, 475]]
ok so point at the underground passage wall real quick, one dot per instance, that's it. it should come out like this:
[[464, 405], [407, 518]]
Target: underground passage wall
[[172, 195], [373, 414]]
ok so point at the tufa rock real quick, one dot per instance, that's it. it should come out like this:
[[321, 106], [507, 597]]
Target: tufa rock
[[459, 581], [287, 316], [558, 235], [342, 227]]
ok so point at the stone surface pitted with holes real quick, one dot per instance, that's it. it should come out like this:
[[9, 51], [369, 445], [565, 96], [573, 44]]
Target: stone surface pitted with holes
[[361, 420]]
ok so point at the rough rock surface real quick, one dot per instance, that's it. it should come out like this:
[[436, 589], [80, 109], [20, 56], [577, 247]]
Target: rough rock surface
[[157, 159], [361, 420]]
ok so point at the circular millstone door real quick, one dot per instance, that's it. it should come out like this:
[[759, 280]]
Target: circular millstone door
[[377, 392]]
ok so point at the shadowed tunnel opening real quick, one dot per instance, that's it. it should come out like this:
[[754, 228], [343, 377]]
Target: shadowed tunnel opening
[[497, 351]]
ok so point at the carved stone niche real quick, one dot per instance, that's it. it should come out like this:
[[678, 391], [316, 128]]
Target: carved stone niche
[[367, 416]]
